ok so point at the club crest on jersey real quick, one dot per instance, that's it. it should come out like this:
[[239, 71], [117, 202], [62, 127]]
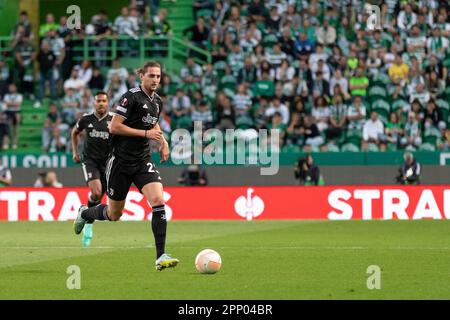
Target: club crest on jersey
[[124, 102], [149, 119]]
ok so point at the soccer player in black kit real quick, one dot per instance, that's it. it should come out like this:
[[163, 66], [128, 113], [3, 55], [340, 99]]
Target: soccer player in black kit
[[95, 151], [134, 124]]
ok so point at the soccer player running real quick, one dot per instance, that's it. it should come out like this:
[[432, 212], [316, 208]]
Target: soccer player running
[[95, 152], [134, 124]]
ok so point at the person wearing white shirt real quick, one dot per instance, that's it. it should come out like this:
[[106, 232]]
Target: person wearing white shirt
[[75, 82], [338, 79], [277, 106], [316, 56], [373, 132], [406, 18]]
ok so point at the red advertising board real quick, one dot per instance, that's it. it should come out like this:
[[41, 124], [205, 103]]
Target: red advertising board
[[243, 203]]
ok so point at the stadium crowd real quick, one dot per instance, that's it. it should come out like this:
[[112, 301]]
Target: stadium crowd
[[330, 74]]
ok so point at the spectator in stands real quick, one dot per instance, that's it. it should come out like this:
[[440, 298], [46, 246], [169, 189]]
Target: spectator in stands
[[433, 117], [294, 132], [437, 44], [5, 175], [311, 135], [25, 55], [58, 47], [47, 62], [409, 171], [276, 123], [48, 25], [125, 25], [338, 118], [398, 71], [406, 18], [202, 113], [393, 129], [70, 103], [257, 11], [97, 82], [226, 117], [102, 29], [321, 113], [13, 102], [5, 78], [58, 141], [307, 172], [412, 133], [191, 72], [373, 133], [199, 33], [25, 24], [180, 105], [282, 109], [85, 71], [420, 93], [115, 89], [53, 120], [319, 87], [75, 82], [326, 34], [4, 130]]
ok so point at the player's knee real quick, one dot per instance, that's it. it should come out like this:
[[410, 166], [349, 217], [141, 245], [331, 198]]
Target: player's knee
[[114, 215], [156, 201]]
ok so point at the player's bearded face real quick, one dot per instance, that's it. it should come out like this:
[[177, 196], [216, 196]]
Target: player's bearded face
[[150, 80], [101, 104]]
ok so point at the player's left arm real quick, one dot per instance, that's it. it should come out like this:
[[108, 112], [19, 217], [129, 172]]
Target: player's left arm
[[163, 146]]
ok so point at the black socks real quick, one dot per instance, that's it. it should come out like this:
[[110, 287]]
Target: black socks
[[99, 212], [92, 203], [159, 227]]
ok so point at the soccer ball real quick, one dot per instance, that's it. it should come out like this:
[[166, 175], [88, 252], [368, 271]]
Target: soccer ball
[[208, 261]]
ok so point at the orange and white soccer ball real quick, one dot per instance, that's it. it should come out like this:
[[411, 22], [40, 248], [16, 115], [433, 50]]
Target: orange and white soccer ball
[[208, 261]]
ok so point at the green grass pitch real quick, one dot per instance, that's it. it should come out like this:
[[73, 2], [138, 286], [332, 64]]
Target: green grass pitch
[[261, 260]]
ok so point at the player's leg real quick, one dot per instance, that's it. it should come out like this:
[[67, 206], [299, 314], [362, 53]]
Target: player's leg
[[95, 186], [118, 181], [149, 183]]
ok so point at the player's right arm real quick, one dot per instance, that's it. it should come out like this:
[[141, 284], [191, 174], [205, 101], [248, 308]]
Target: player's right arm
[[122, 112], [75, 139]]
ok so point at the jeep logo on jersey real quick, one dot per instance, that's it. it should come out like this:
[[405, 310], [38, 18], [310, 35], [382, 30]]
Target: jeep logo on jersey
[[249, 207], [99, 134], [149, 119]]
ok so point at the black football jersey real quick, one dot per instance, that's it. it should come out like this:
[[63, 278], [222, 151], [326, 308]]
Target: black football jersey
[[97, 143], [140, 112]]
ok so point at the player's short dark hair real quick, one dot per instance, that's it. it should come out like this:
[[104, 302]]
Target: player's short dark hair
[[99, 93], [148, 64]]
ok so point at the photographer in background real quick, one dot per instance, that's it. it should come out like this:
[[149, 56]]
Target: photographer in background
[[307, 172], [409, 172], [193, 175], [5, 175]]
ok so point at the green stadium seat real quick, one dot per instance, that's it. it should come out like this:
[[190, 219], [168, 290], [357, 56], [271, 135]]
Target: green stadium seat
[[291, 148], [350, 147], [382, 108], [398, 104], [427, 147]]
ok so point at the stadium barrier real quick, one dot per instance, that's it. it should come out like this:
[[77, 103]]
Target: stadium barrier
[[243, 203]]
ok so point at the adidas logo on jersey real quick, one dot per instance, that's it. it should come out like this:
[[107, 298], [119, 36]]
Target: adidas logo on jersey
[[145, 106], [90, 125]]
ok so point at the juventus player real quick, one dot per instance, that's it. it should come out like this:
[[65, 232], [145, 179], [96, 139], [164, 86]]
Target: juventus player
[[95, 152], [134, 124]]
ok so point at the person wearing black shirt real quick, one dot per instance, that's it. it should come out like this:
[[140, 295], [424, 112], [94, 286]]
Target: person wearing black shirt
[[307, 172], [96, 147], [133, 126], [47, 61], [409, 172]]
